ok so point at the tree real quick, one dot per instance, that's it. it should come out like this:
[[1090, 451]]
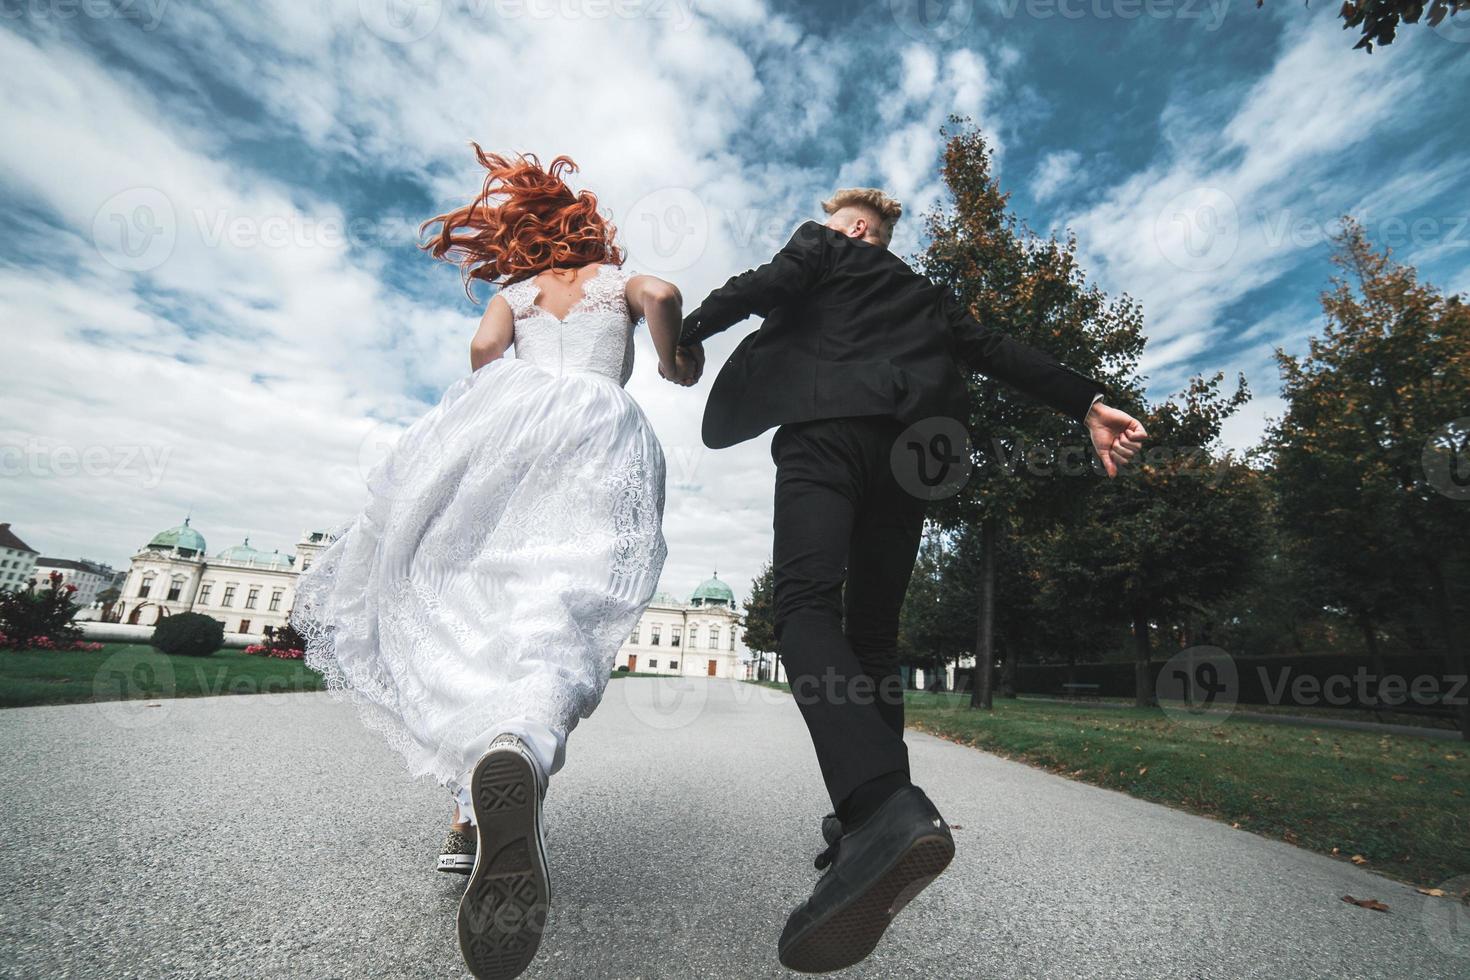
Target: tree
[[760, 618], [1364, 462], [1032, 289], [1174, 534], [1379, 19]]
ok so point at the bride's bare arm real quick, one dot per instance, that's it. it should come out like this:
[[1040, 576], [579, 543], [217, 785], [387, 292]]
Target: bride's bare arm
[[658, 302], [497, 329]]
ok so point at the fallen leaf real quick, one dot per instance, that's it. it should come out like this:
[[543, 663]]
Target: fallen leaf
[[956, 826], [1435, 892], [1143, 771], [1336, 851], [1399, 779], [1235, 826], [1366, 903], [1359, 859]]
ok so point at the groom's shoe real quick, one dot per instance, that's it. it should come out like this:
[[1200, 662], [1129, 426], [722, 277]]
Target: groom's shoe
[[503, 912], [873, 871]]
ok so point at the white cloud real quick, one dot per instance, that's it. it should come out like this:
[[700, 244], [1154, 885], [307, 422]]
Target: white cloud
[[1055, 172]]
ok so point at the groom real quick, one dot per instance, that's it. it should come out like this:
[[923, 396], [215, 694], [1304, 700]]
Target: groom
[[856, 347]]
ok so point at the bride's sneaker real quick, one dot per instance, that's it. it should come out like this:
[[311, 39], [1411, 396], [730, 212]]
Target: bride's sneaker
[[503, 911], [458, 855]]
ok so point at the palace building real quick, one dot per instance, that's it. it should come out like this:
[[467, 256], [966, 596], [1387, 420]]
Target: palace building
[[248, 590], [698, 638], [251, 591]]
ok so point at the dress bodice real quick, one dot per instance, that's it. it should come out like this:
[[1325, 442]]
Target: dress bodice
[[596, 335]]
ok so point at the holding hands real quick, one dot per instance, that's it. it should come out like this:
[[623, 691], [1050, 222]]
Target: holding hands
[[687, 366]]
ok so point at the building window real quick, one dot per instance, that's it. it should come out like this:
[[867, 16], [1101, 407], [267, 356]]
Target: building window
[[652, 664], [693, 637], [657, 632], [146, 586], [676, 636], [204, 593], [252, 597], [634, 638], [714, 637], [673, 665], [228, 599], [732, 639], [305, 564], [276, 600], [268, 631], [175, 587], [244, 626]]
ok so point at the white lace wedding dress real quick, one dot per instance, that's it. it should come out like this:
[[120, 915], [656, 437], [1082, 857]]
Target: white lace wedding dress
[[511, 540]]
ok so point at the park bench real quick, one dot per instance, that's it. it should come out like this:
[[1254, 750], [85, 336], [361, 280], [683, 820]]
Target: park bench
[[1075, 690]]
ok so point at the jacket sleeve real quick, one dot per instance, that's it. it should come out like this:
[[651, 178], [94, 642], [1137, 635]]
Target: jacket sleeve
[[1024, 368], [792, 272]]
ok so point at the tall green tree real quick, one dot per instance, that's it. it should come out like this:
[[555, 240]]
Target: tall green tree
[[1366, 461], [760, 619], [1175, 534], [1033, 289]]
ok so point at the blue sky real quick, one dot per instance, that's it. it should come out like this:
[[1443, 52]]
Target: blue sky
[[212, 301]]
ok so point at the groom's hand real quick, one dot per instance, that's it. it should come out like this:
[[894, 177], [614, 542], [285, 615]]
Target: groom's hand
[[1116, 436], [688, 366]]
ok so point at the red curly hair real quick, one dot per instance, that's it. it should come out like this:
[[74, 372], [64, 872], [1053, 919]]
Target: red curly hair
[[525, 220]]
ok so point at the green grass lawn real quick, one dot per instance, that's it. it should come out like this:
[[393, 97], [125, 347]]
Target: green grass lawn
[[122, 671], [1399, 803]]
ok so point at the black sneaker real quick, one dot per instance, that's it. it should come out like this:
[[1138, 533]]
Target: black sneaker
[[503, 912], [873, 871], [458, 855]]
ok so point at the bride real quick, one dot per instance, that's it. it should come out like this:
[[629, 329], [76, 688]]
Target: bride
[[511, 539]]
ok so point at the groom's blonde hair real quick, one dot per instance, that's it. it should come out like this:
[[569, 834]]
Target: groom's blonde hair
[[886, 208]]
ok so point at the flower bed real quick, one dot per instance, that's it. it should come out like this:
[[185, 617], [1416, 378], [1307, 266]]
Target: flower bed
[[281, 653]]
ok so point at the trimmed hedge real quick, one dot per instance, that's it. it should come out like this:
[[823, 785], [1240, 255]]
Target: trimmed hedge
[[1417, 682], [188, 635]]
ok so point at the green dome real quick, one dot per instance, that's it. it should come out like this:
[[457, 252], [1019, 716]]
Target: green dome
[[183, 538], [713, 592], [263, 559]]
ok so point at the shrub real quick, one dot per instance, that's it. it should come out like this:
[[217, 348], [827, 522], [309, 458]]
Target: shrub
[[40, 618], [188, 635]]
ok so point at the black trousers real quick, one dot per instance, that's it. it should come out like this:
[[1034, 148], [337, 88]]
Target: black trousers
[[846, 535]]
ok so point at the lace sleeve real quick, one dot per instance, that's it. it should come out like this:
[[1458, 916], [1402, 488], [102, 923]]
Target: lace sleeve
[[520, 296], [617, 279]]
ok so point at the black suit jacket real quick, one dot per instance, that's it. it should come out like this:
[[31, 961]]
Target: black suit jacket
[[851, 330]]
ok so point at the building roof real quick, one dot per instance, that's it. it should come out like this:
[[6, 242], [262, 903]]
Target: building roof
[[9, 540], [713, 590], [183, 537], [74, 564], [254, 556]]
